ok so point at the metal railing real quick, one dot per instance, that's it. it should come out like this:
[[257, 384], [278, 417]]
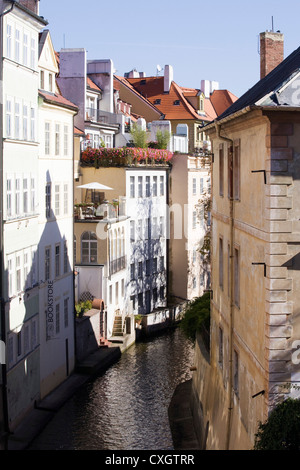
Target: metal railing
[[117, 265]]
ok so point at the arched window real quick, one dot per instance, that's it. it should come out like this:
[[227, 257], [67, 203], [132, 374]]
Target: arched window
[[89, 248]]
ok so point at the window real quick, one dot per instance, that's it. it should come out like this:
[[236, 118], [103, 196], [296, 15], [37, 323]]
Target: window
[[17, 120], [57, 137], [32, 53], [132, 299], [89, 248], [27, 282], [132, 186], [221, 346], [154, 265], [66, 198], [8, 117], [48, 200], [194, 219], [25, 49], [132, 271], [9, 41], [201, 185], [47, 263], [162, 293], [140, 229], [154, 185], [25, 122], [117, 293], [57, 260], [42, 80], [140, 269], [194, 186], [162, 263], [10, 276], [32, 124], [50, 82], [147, 229], [140, 300], [66, 258], [140, 186], [147, 186], [154, 295], [56, 198], [66, 141], [162, 185], [155, 229], [147, 267], [228, 270], [236, 277], [57, 318], [235, 371], [221, 262], [8, 197], [221, 170], [25, 195], [32, 195], [132, 230], [236, 171], [18, 273], [162, 226], [66, 313], [47, 138], [110, 294], [17, 196], [194, 283]]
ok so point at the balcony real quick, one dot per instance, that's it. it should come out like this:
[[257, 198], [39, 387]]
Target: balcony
[[103, 117], [105, 210], [117, 265]]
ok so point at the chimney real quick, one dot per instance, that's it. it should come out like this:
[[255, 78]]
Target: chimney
[[168, 78], [271, 51], [32, 5]]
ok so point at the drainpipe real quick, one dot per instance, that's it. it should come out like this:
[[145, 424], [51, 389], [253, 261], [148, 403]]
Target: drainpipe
[[2, 300], [231, 314]]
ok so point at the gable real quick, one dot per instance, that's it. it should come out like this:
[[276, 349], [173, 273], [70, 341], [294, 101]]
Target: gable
[[47, 56]]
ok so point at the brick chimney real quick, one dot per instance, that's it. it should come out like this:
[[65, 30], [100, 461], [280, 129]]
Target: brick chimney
[[271, 51], [32, 5]]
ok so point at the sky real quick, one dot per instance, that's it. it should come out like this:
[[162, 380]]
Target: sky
[[202, 40]]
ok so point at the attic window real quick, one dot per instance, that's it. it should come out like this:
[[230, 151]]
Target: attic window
[[158, 101], [176, 103], [143, 82]]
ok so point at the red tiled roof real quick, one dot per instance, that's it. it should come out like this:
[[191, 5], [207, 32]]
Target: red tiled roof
[[78, 131], [57, 99], [221, 100], [126, 82], [92, 85], [173, 105]]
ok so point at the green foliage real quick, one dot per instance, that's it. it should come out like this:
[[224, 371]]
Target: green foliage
[[196, 315], [82, 307], [139, 136], [281, 431], [163, 138]]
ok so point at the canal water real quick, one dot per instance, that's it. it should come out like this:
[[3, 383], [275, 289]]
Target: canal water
[[126, 408]]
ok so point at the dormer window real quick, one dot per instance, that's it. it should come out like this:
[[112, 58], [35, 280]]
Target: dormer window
[[176, 103], [50, 82], [143, 82], [158, 101]]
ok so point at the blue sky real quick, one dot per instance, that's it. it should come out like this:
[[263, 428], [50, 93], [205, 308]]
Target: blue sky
[[214, 40]]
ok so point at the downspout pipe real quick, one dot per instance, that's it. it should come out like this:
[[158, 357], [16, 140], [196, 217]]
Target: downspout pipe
[[2, 298], [231, 291]]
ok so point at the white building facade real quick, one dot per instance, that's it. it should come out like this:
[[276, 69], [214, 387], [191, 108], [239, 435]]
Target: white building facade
[[20, 235]]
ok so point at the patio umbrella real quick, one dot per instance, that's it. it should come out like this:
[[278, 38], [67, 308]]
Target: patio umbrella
[[94, 186]]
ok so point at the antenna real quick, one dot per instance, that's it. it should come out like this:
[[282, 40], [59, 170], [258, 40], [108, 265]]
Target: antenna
[[272, 25]]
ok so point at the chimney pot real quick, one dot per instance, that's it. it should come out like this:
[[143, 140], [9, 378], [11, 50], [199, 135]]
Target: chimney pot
[[271, 51]]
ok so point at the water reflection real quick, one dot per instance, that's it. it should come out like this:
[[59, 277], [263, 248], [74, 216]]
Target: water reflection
[[127, 407]]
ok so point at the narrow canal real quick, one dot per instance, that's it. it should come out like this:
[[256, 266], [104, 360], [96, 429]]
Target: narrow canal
[[127, 407]]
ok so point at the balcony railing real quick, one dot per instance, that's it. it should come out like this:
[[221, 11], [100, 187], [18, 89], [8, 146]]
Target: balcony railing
[[117, 265], [98, 211], [100, 116]]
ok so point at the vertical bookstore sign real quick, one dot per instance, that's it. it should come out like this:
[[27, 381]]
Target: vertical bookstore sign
[[50, 310]]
